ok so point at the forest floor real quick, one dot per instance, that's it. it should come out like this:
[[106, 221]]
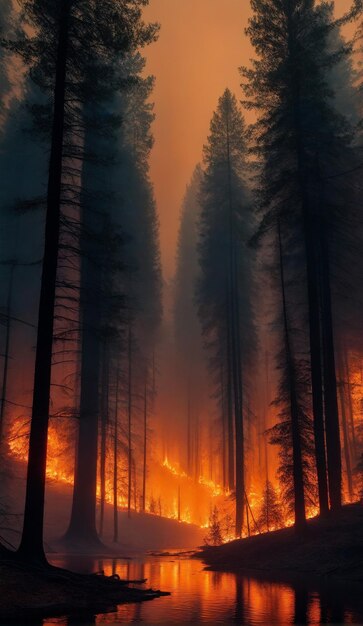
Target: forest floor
[[331, 547], [140, 533], [28, 593]]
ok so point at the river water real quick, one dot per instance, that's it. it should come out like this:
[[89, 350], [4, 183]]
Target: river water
[[203, 597]]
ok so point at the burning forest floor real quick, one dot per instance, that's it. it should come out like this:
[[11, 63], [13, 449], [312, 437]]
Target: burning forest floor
[[331, 547], [139, 533]]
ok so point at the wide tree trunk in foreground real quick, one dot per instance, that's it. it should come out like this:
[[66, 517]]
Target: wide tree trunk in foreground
[[31, 545], [82, 527]]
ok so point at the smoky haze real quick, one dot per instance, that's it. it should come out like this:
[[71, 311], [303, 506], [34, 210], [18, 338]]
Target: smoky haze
[[204, 293], [194, 60], [193, 65]]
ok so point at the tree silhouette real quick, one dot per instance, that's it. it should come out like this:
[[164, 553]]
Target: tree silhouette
[[224, 284]]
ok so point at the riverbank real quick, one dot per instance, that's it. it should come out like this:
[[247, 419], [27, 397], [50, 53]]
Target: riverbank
[[28, 593], [328, 547]]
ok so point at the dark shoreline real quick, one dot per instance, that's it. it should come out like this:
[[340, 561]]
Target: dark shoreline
[[28, 593], [329, 548]]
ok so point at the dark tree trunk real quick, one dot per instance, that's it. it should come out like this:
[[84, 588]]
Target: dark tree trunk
[[189, 432], [115, 464], [312, 283], [224, 424], [265, 416], [104, 423], [82, 527], [248, 518], [135, 483], [235, 345], [239, 426], [196, 449], [145, 445], [298, 475], [179, 503], [229, 393], [268, 505], [332, 429], [346, 374], [316, 365], [31, 545], [129, 422], [348, 465], [4, 386]]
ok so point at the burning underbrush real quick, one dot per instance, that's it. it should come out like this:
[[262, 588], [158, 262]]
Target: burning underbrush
[[172, 495], [165, 490]]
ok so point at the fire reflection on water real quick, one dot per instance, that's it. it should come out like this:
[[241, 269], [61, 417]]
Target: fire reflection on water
[[199, 596]]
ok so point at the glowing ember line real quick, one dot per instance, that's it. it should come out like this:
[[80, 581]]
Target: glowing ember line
[[216, 490], [173, 469]]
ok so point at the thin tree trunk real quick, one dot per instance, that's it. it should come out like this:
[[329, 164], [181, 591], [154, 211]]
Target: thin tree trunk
[[231, 443], [179, 503], [233, 312], [4, 387], [129, 422], [153, 388], [31, 545], [332, 429], [298, 476], [211, 452], [145, 444], [265, 417], [196, 449], [350, 405], [115, 463], [104, 422], [348, 466], [135, 484], [239, 428], [189, 431], [247, 518], [224, 429]]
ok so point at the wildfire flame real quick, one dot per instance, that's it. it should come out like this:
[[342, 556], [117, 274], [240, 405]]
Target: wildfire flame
[[173, 469], [178, 495]]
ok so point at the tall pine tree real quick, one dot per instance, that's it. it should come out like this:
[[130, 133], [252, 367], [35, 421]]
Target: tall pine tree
[[301, 139], [223, 290], [66, 44]]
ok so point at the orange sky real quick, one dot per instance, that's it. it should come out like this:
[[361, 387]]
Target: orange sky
[[200, 48]]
